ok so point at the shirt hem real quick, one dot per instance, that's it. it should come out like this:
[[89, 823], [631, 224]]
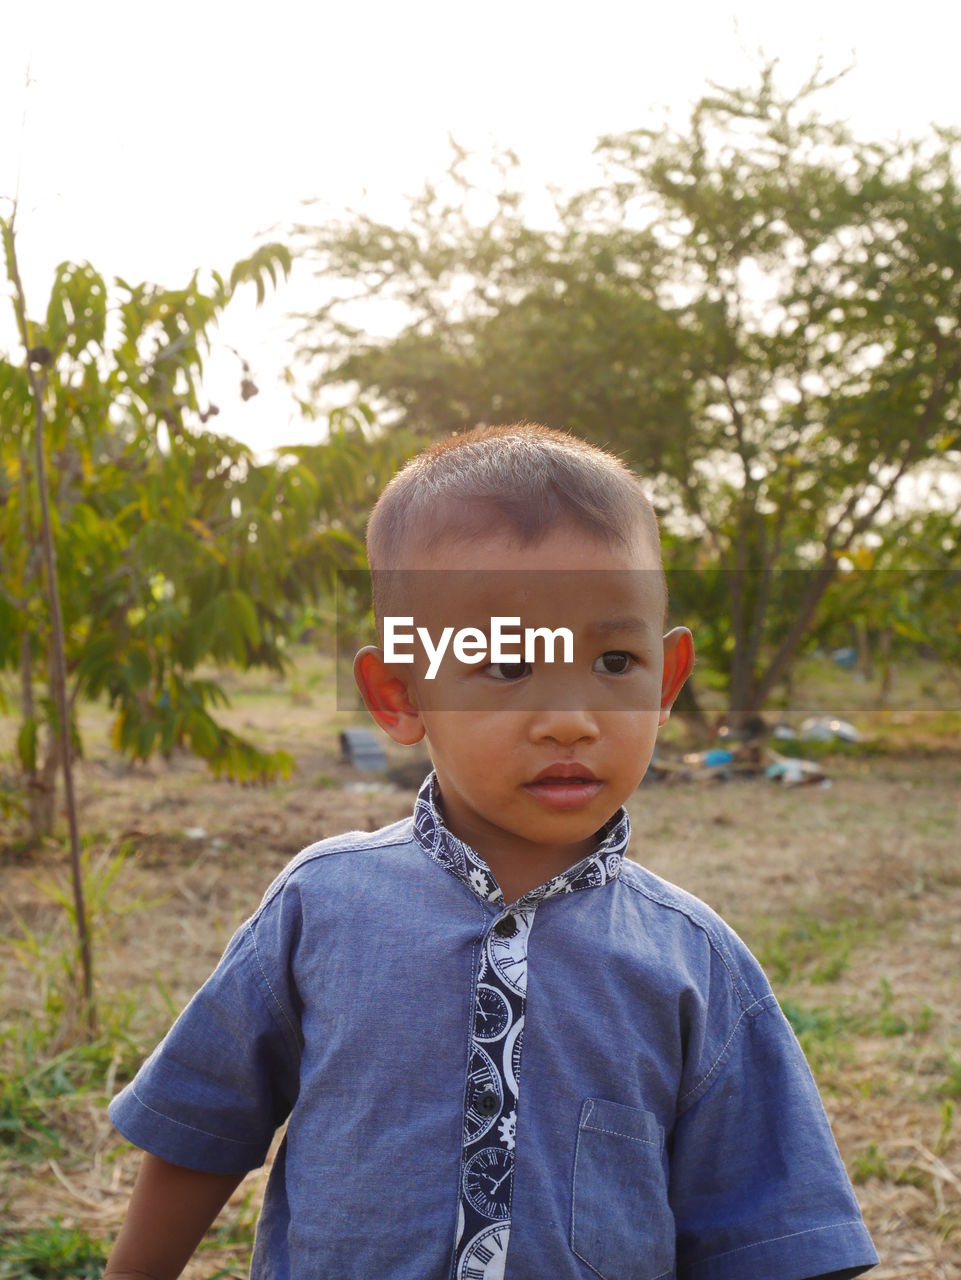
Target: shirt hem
[[179, 1143], [796, 1255]]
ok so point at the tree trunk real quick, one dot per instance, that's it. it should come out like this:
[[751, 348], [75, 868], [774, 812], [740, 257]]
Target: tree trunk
[[742, 698], [887, 668], [43, 795], [28, 709], [41, 357], [31, 779], [741, 694], [41, 779], [818, 583], [865, 652]]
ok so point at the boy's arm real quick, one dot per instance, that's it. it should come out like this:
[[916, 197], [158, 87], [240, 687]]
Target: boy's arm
[[170, 1210]]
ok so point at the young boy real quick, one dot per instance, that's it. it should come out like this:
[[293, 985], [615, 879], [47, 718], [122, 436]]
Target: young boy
[[503, 1051]]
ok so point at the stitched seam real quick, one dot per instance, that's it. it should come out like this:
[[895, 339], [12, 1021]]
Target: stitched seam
[[718, 1061], [273, 995], [715, 942], [584, 1126], [616, 1133], [335, 845], [577, 1152], [520, 1067], [470, 1044], [791, 1235], [313, 852], [182, 1124]]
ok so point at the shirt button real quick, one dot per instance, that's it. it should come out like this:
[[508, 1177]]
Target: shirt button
[[506, 927], [488, 1103]]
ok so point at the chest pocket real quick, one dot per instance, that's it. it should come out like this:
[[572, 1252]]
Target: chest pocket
[[621, 1223]]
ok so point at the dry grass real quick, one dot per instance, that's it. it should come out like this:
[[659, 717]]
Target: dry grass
[[851, 896]]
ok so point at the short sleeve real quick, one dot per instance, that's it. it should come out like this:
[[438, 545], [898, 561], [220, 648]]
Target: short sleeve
[[757, 1185], [214, 1091]]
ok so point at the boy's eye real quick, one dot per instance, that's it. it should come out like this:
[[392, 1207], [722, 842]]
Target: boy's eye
[[615, 662], [507, 670]]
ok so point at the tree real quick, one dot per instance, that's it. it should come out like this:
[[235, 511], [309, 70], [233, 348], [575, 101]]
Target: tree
[[164, 545], [761, 313], [176, 547], [899, 597]]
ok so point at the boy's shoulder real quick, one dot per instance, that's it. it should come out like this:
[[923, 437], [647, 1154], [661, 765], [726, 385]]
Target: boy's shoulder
[[396, 835], [695, 927], [663, 894]]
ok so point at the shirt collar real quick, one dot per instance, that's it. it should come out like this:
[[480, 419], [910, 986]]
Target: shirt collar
[[440, 844]]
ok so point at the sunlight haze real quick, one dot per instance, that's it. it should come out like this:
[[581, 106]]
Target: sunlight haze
[[164, 138]]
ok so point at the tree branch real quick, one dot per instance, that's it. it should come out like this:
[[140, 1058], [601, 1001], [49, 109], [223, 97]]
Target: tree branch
[[38, 384]]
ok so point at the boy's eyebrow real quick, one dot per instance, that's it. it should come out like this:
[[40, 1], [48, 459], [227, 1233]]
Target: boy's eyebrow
[[625, 622]]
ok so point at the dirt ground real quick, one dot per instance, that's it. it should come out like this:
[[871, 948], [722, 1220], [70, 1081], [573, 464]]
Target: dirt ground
[[851, 896]]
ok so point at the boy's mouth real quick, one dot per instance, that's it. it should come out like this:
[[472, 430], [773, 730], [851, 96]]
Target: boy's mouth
[[564, 785]]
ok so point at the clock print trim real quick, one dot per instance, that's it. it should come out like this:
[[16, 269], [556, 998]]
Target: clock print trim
[[599, 867], [497, 1029], [487, 1182], [508, 956], [486, 1255], [512, 1056], [482, 1078], [492, 1013]]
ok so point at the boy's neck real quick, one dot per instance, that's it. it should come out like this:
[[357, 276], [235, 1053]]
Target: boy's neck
[[525, 866], [519, 877]]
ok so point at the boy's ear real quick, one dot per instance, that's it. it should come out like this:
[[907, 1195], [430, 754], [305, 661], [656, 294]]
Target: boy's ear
[[387, 697], [678, 665]]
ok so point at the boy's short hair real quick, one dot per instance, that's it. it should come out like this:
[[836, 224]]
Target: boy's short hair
[[522, 479]]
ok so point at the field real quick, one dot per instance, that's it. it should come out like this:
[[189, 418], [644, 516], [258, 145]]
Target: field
[[849, 894]]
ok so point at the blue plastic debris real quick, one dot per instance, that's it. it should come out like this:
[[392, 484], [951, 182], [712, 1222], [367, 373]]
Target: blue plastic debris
[[791, 772], [363, 749], [846, 658], [824, 728]]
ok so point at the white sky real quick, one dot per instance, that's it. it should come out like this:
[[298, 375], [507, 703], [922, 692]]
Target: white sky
[[164, 137]]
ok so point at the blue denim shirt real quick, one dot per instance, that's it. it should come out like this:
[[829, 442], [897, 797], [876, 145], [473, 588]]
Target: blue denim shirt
[[667, 1123]]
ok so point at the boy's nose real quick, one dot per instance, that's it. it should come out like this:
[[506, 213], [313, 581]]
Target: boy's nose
[[564, 725]]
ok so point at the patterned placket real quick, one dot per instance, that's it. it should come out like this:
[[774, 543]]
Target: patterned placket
[[500, 993]]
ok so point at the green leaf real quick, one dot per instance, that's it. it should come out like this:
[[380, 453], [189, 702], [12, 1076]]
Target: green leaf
[[27, 745], [138, 667], [240, 614], [9, 252]]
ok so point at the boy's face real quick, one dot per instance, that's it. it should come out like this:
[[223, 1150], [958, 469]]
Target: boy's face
[[533, 758]]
